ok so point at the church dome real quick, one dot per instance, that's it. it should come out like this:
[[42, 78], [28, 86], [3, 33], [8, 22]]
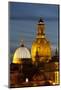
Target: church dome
[[41, 48], [21, 53]]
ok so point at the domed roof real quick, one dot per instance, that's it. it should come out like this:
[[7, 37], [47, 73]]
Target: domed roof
[[21, 53], [41, 48]]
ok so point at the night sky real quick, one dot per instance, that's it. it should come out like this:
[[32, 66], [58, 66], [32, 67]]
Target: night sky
[[23, 19]]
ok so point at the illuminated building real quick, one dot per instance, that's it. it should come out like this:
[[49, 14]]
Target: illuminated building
[[21, 53], [38, 68], [41, 47], [21, 59]]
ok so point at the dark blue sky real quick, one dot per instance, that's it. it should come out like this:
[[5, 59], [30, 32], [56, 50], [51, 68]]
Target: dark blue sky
[[23, 19], [33, 11]]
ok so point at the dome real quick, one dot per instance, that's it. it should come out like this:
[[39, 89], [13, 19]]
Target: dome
[[41, 48], [21, 53]]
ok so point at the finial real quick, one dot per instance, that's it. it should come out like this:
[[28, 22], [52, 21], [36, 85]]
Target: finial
[[41, 21], [22, 43]]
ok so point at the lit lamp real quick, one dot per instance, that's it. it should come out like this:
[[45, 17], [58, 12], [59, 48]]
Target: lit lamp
[[27, 80]]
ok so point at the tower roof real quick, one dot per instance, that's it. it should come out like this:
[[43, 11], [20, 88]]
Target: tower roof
[[41, 48], [41, 21]]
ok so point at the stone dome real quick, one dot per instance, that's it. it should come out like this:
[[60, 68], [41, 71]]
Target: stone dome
[[21, 53], [41, 48]]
